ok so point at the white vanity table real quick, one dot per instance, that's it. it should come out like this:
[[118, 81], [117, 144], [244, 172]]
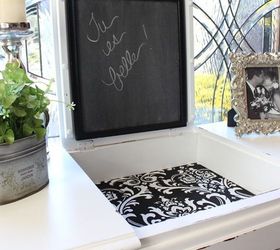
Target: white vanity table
[[71, 213]]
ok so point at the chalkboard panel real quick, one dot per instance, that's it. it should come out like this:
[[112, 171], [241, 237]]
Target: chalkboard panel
[[127, 65]]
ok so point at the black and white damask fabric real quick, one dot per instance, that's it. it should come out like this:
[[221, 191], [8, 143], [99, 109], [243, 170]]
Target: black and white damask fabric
[[156, 196]]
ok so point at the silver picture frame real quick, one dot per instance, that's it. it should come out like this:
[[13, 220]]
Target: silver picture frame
[[255, 100]]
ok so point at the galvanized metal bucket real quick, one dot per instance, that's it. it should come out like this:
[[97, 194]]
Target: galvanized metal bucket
[[23, 168]]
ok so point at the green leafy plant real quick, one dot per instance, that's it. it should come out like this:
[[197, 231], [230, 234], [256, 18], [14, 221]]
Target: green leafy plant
[[22, 105]]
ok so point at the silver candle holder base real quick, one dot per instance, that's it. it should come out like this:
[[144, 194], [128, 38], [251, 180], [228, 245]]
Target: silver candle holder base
[[11, 37]]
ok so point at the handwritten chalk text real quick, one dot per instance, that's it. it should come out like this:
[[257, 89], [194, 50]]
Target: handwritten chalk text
[[111, 45], [99, 28], [128, 60], [117, 76]]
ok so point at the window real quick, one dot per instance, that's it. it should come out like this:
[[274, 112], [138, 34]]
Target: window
[[39, 49], [222, 27], [38, 53]]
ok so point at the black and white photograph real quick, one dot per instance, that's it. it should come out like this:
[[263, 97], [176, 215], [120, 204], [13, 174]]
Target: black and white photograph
[[255, 92], [262, 92]]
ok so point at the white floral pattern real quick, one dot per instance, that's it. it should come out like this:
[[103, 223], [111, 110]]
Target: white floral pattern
[[153, 197]]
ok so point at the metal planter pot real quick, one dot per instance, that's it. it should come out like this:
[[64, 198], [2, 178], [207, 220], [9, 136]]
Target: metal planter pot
[[23, 169]]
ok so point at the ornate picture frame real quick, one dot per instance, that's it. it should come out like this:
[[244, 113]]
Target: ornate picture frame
[[255, 92]]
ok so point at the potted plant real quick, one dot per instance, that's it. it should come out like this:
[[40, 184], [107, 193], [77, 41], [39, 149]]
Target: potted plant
[[23, 122], [21, 105]]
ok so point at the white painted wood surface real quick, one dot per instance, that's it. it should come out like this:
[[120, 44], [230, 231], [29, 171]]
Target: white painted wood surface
[[255, 171], [256, 143], [266, 238], [106, 158], [70, 213]]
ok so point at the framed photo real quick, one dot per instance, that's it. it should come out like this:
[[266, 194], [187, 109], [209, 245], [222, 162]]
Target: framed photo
[[256, 92]]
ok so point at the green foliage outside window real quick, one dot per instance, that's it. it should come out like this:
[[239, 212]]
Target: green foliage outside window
[[212, 97]]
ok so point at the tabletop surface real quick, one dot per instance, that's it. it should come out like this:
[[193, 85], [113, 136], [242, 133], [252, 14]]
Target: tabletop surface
[[266, 144], [70, 213]]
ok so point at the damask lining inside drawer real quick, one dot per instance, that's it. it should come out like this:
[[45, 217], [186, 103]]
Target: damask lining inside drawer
[[157, 196]]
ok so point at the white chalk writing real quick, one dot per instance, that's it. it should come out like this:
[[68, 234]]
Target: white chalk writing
[[117, 76], [111, 46], [128, 60], [99, 28], [145, 33]]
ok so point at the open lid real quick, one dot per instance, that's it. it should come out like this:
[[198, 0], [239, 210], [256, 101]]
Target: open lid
[[125, 68]]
